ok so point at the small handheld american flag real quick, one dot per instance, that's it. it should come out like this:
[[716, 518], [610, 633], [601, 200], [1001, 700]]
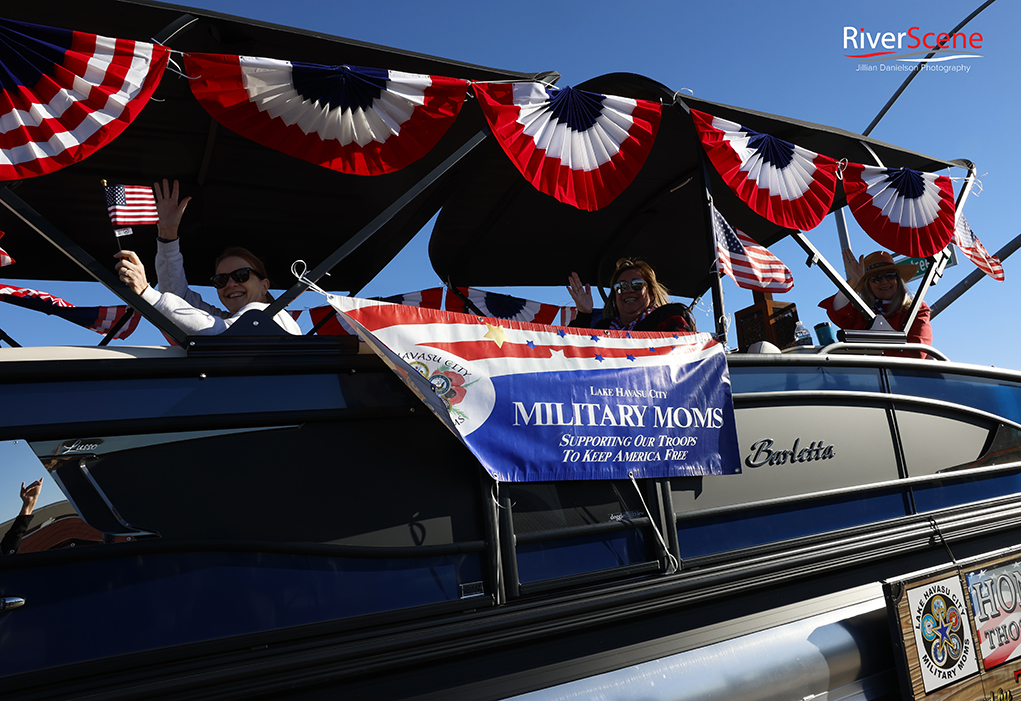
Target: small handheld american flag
[[129, 205]]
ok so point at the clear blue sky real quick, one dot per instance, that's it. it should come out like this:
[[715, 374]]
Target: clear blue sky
[[784, 57]]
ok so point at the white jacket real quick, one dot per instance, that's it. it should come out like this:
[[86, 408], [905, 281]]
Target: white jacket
[[186, 308]]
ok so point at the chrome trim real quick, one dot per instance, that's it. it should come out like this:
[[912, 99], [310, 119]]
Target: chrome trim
[[841, 347], [802, 659], [131, 530], [9, 603], [841, 491], [877, 396]]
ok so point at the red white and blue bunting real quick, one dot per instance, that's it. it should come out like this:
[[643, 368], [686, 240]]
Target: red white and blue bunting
[[582, 148], [361, 121], [66, 94], [788, 185], [5, 258], [903, 210], [500, 306], [98, 319]]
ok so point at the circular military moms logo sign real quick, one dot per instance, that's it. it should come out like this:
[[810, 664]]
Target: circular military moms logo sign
[[939, 618]]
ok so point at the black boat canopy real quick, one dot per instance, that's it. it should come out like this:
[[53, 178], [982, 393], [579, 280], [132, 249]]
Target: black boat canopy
[[280, 207], [494, 228]]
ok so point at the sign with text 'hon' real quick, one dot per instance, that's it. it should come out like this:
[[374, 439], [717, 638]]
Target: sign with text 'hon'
[[539, 403]]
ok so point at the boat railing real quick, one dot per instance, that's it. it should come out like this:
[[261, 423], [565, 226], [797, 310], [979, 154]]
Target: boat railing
[[858, 348]]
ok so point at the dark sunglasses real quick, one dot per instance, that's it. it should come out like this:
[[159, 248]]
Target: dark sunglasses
[[888, 275], [240, 276], [623, 285]]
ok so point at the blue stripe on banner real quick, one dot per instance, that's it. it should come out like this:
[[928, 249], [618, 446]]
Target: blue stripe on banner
[[653, 422]]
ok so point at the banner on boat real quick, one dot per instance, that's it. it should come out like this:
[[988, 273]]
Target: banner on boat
[[540, 403], [959, 628]]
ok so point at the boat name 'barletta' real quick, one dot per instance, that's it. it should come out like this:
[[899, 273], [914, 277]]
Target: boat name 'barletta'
[[763, 453]]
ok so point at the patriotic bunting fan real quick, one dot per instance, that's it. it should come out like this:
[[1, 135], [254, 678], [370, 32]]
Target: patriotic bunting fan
[[580, 147], [904, 210], [501, 306], [361, 121], [98, 319], [5, 258], [429, 299], [66, 94], [788, 185]]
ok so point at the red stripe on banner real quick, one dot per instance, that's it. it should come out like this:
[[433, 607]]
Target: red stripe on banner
[[376, 317], [486, 349], [220, 90]]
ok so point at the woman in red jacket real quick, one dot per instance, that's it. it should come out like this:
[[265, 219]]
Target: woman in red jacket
[[880, 283]]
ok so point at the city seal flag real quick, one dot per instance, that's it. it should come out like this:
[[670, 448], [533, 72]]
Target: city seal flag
[[538, 403]]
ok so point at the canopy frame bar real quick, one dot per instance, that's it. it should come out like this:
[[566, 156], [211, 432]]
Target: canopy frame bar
[[370, 229], [86, 262]]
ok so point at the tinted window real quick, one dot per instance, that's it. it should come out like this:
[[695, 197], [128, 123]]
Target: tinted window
[[999, 397], [779, 379], [760, 526]]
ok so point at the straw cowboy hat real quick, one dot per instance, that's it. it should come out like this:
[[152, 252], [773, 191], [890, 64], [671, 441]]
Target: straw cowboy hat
[[881, 261]]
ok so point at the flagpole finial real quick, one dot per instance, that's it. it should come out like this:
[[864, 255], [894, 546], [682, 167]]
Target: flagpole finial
[[103, 181]]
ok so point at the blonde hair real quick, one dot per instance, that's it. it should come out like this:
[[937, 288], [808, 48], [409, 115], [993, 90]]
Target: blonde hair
[[658, 294], [899, 300]]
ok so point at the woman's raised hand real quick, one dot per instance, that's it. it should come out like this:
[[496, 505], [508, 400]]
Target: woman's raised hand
[[581, 294], [170, 208], [854, 267]]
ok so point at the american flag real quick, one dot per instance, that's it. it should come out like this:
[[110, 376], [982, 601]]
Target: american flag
[[131, 204], [752, 266], [5, 259], [970, 246], [98, 319]]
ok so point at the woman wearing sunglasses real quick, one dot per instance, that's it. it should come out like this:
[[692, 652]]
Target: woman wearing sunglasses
[[240, 280], [637, 302], [880, 283]]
